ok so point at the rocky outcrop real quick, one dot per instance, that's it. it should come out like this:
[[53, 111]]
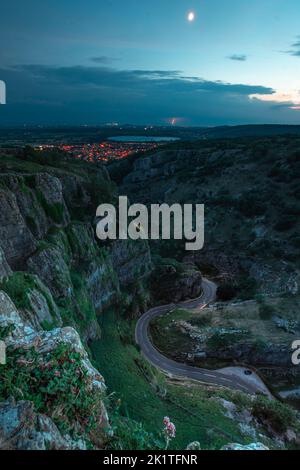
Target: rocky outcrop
[[29, 205], [19, 421], [16, 240], [254, 446], [51, 191], [43, 310], [50, 266], [4, 266], [23, 335], [65, 278], [131, 261], [22, 428], [176, 283], [163, 163]]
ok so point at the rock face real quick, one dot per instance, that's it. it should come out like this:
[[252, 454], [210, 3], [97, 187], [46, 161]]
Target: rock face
[[21, 428], [52, 195], [37, 234], [4, 266], [254, 446], [23, 335], [65, 279], [17, 241], [131, 261], [51, 267], [177, 283], [242, 235]]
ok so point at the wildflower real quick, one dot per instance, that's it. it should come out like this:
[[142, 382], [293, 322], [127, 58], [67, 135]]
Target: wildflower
[[169, 430]]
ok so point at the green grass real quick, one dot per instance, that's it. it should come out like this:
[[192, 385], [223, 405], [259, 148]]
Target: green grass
[[58, 386], [147, 397]]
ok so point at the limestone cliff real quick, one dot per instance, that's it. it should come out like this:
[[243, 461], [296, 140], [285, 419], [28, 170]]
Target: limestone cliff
[[56, 278]]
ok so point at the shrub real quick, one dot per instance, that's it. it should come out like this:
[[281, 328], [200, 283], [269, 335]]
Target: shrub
[[224, 340], [273, 413], [16, 287], [203, 320], [57, 385]]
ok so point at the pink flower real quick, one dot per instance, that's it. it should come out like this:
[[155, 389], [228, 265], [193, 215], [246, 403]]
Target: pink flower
[[169, 429]]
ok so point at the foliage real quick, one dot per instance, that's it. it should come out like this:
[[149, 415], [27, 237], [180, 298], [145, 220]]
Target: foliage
[[129, 434], [274, 413], [225, 339], [203, 320], [16, 286], [146, 397], [54, 211], [51, 157], [56, 384]]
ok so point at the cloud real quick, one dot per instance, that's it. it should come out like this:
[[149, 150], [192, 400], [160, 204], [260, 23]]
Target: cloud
[[238, 57], [96, 94], [295, 51], [103, 60], [283, 99]]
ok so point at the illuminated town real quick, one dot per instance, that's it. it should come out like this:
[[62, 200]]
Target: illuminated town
[[104, 151]]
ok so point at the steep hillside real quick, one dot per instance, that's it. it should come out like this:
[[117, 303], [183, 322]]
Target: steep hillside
[[250, 189], [55, 281], [74, 376], [251, 193]]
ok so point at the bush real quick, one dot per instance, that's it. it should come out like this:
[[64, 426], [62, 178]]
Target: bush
[[50, 157], [273, 413], [203, 320], [57, 385], [16, 287], [225, 340]]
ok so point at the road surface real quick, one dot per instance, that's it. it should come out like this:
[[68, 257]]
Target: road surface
[[212, 377]]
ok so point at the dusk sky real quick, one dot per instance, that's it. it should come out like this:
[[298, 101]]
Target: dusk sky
[[144, 62]]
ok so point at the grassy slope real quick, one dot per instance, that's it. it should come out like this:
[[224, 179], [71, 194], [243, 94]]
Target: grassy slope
[[196, 415]]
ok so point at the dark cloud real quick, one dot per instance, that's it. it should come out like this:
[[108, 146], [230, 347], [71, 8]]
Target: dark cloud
[[295, 51], [238, 57], [95, 94], [103, 60]]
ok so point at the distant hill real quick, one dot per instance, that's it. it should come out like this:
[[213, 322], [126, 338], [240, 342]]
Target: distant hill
[[265, 130], [19, 136]]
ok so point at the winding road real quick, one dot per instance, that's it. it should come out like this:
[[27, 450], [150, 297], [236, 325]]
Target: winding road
[[212, 377]]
